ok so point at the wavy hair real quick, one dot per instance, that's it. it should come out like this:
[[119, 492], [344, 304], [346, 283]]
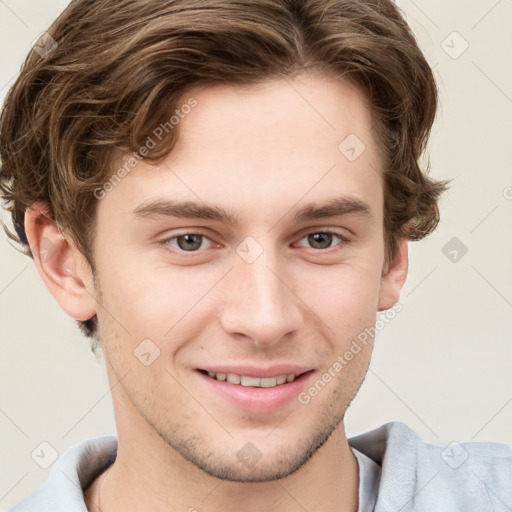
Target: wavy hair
[[115, 69]]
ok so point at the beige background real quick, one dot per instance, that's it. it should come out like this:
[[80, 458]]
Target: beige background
[[442, 366]]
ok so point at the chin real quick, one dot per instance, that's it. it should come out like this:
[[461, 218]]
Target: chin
[[248, 464]]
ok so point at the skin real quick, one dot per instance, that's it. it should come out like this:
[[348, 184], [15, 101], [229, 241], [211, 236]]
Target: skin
[[263, 152]]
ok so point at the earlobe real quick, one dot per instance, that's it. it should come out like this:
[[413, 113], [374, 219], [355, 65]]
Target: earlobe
[[60, 264], [394, 277]]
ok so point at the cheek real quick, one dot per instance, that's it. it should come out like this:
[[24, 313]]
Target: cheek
[[170, 304], [345, 297], [166, 306]]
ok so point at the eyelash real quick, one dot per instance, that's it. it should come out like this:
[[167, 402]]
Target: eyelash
[[166, 241]]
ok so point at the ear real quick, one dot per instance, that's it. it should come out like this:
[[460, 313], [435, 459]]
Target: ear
[[64, 270], [394, 277]]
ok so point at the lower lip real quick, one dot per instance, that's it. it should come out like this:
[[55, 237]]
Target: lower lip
[[258, 400]]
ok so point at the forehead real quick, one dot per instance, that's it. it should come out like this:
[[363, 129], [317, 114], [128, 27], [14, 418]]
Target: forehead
[[313, 112], [281, 142]]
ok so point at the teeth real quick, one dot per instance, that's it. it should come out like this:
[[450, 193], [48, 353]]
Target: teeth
[[234, 379], [268, 382], [250, 381], [257, 382]]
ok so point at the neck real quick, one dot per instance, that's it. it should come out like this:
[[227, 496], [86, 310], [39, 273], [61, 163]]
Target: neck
[[152, 475]]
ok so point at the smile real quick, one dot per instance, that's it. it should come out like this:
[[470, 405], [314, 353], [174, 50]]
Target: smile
[[257, 382], [256, 390]]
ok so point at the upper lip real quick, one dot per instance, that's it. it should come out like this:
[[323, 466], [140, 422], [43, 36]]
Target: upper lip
[[252, 371]]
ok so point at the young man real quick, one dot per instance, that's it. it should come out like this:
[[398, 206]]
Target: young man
[[221, 194]]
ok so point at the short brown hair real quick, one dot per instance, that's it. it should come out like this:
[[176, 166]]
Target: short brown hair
[[118, 68]]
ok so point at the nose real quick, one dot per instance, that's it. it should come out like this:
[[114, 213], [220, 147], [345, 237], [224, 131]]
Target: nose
[[258, 301]]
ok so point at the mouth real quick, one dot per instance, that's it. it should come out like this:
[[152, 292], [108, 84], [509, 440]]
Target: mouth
[[259, 391], [255, 382]]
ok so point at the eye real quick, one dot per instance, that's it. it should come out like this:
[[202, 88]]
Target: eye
[[323, 239], [194, 242], [187, 242]]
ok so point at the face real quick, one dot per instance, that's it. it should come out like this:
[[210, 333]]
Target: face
[[266, 284]]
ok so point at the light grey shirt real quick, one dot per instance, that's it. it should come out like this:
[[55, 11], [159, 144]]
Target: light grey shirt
[[369, 477], [397, 473]]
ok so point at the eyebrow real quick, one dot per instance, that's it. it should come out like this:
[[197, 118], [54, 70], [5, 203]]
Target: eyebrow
[[192, 210]]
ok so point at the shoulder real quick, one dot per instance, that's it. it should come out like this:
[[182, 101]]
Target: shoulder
[[70, 476], [419, 476]]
